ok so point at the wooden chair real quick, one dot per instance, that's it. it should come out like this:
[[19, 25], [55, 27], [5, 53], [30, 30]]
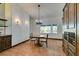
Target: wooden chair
[[32, 39], [45, 40]]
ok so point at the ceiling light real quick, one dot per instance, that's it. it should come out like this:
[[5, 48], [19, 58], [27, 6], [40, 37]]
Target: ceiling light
[[38, 21]]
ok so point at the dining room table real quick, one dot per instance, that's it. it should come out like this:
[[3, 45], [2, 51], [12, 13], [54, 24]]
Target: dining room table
[[38, 43]]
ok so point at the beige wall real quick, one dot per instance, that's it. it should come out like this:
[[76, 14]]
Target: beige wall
[[8, 16], [2, 10], [2, 15]]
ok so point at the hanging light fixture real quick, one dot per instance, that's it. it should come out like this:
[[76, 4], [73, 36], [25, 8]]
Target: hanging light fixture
[[38, 21]]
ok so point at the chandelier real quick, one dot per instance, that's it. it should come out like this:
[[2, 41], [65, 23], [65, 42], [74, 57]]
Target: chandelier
[[38, 21]]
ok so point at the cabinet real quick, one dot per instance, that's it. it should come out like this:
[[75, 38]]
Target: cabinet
[[70, 31], [65, 47], [65, 17], [5, 42], [71, 15]]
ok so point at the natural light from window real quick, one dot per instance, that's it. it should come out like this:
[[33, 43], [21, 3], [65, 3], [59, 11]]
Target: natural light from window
[[54, 29], [48, 29], [45, 29]]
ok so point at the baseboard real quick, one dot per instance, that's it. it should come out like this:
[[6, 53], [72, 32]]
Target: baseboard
[[5, 49], [15, 45], [55, 38], [21, 43]]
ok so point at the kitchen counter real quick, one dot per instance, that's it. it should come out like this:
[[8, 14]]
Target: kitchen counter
[[5, 42], [4, 35]]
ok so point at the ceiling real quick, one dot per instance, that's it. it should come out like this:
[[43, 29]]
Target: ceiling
[[46, 9]]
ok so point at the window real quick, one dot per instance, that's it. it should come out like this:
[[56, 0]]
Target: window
[[48, 29], [54, 29], [45, 29]]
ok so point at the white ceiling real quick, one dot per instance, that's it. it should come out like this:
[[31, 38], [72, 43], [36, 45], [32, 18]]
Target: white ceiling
[[46, 9]]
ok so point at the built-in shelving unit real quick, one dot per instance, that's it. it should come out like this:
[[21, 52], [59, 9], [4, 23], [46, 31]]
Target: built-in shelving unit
[[5, 40], [69, 42], [3, 21], [71, 29], [69, 32]]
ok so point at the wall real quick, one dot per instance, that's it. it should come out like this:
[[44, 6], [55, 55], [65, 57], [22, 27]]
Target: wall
[[2, 15], [8, 16], [20, 31], [47, 21], [54, 20], [33, 28], [12, 12], [2, 10]]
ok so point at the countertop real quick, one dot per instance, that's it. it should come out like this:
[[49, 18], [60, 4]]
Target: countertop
[[4, 35]]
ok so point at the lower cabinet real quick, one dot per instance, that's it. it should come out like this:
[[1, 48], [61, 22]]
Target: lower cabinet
[[77, 48], [68, 48], [65, 46], [71, 50], [5, 42]]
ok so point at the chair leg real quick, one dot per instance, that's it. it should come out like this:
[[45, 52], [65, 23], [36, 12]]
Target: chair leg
[[34, 41], [46, 44], [30, 42]]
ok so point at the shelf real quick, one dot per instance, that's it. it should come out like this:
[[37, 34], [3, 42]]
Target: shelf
[[3, 26], [3, 19]]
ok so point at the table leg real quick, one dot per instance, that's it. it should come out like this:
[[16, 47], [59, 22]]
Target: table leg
[[38, 43]]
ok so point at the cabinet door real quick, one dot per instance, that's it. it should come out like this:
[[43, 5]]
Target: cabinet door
[[72, 15], [65, 47], [66, 17], [0, 45], [5, 42], [8, 42], [71, 49]]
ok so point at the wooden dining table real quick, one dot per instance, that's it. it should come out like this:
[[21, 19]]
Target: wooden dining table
[[38, 40]]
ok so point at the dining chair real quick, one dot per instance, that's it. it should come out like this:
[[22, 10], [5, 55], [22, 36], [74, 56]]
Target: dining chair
[[32, 39], [44, 40]]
